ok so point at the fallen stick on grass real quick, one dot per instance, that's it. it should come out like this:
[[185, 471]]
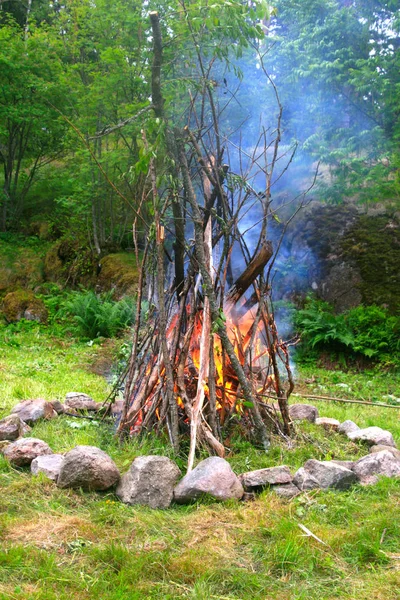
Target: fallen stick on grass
[[333, 399]]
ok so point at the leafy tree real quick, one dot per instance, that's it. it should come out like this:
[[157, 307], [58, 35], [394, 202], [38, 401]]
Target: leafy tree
[[30, 131]]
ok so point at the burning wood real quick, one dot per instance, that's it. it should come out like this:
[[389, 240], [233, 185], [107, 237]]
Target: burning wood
[[207, 353]]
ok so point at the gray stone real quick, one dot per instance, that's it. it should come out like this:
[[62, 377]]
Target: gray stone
[[81, 402], [369, 468], [347, 427], [381, 447], [373, 436], [288, 490], [48, 465], [88, 468], [31, 411], [22, 452], [328, 423], [212, 476], [12, 427], [58, 406], [323, 474], [150, 481], [348, 464], [116, 408], [301, 412], [263, 477]]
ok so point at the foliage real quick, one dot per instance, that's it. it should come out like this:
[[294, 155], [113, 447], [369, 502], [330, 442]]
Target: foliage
[[98, 315], [369, 331]]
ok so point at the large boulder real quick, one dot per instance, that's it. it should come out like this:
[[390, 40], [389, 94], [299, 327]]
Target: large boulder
[[22, 452], [303, 412], [31, 411], [263, 477], [212, 476], [373, 436], [12, 427], [88, 468], [23, 304], [48, 465], [328, 423], [149, 481], [348, 427], [369, 468], [80, 402], [323, 474]]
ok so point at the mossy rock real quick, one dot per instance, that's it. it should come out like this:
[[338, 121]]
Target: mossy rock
[[23, 304], [118, 272], [70, 262], [373, 243], [21, 262]]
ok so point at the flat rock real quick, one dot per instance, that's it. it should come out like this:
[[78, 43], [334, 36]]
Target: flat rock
[[89, 468], [31, 411], [369, 468], [289, 490], [381, 447], [81, 402], [48, 465], [323, 474], [150, 481], [12, 427], [22, 452], [373, 436], [347, 427], [212, 476], [328, 423], [263, 477], [301, 412]]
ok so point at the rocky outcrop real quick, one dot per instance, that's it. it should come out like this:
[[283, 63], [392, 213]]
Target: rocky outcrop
[[12, 427], [49, 465], [323, 474], [31, 411], [150, 481], [265, 477], [23, 451], [370, 467], [88, 468], [373, 436], [212, 476], [303, 412]]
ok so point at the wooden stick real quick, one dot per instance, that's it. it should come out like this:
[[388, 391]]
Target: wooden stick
[[333, 399]]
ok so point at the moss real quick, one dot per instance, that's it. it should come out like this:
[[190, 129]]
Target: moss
[[21, 262], [373, 242], [70, 262], [119, 272], [23, 304]]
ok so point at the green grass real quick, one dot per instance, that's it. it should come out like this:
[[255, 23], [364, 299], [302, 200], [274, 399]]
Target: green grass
[[63, 544]]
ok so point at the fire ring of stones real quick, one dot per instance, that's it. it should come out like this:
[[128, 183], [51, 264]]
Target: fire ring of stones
[[156, 481]]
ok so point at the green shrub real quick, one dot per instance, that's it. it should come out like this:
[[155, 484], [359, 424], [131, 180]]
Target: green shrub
[[98, 315], [368, 331]]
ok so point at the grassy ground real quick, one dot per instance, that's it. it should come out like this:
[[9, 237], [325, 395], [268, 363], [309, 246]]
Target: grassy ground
[[63, 544]]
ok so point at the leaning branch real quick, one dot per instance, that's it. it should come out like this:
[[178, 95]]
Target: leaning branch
[[121, 124]]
